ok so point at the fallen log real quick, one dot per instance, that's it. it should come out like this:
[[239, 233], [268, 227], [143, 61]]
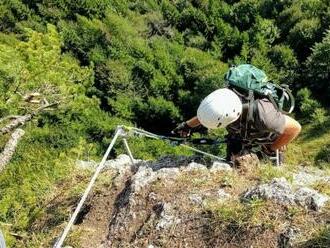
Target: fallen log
[[10, 148]]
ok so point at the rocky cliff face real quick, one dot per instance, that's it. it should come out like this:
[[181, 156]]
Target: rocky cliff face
[[186, 202]]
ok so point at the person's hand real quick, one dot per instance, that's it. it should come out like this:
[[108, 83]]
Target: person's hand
[[182, 130]]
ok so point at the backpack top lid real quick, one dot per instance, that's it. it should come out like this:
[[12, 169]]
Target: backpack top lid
[[246, 77]]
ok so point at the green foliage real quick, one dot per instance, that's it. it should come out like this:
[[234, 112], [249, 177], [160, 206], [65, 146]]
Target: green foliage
[[245, 13], [228, 38], [303, 35], [266, 30], [310, 108], [156, 110], [322, 159], [202, 75], [307, 105], [153, 149], [319, 116], [81, 36], [43, 157], [37, 65], [143, 62], [239, 215], [318, 68], [193, 19], [268, 172], [11, 12], [284, 59]]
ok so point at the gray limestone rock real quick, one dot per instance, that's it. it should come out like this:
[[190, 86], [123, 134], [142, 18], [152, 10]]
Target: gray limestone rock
[[142, 177], [220, 166], [310, 198], [168, 173], [167, 218], [196, 199], [121, 163], [278, 190], [287, 238], [223, 195], [305, 178], [195, 166]]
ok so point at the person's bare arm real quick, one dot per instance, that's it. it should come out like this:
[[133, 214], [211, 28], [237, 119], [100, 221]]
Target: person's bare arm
[[184, 129], [193, 122], [291, 131]]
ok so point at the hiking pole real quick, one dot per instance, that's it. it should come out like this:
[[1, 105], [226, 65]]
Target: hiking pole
[[59, 243]]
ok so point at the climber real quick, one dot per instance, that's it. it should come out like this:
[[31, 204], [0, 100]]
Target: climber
[[224, 108]]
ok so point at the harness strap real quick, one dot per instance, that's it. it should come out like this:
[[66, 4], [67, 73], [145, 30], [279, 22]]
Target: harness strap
[[251, 105], [248, 114], [271, 99]]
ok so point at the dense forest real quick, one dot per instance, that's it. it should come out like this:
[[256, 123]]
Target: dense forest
[[144, 63]]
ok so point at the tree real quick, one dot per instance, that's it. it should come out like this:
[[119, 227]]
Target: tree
[[303, 35], [34, 76], [318, 69]]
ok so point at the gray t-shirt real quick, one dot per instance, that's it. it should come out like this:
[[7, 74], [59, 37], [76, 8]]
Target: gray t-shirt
[[266, 118]]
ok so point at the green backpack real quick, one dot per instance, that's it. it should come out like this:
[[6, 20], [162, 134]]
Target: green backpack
[[254, 83]]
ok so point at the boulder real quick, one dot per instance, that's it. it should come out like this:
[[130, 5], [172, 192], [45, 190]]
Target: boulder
[[280, 191]]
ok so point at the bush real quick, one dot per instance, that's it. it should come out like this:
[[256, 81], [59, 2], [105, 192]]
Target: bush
[[306, 103], [303, 35], [322, 159], [318, 69]]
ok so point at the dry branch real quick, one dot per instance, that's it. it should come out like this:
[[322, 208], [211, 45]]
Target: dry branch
[[21, 120], [10, 148], [9, 117]]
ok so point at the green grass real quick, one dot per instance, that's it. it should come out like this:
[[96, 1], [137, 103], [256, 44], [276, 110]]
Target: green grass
[[311, 147], [322, 186], [321, 239], [40, 174], [266, 173]]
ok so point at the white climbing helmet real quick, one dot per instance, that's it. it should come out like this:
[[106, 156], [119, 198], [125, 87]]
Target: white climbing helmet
[[219, 109]]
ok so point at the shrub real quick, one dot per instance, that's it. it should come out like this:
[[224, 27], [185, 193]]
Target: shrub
[[322, 159], [307, 104]]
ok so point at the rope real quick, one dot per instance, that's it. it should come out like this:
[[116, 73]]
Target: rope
[[60, 241], [159, 137]]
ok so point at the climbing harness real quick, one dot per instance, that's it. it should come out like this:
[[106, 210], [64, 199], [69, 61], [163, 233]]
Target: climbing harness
[[124, 132]]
